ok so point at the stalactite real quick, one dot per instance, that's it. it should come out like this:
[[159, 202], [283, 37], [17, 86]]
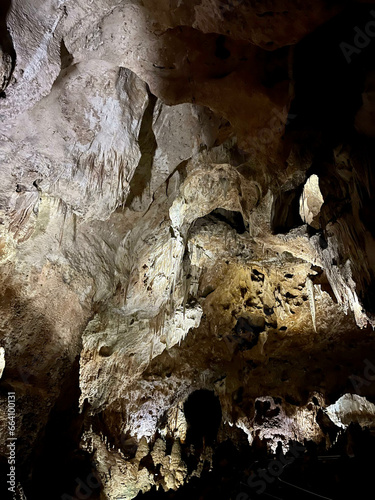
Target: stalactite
[[311, 295]]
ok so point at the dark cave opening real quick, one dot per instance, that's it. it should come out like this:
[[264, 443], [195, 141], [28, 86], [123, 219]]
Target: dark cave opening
[[285, 211], [203, 415], [233, 219]]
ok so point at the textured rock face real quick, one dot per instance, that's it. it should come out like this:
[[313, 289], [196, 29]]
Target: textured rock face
[[187, 250]]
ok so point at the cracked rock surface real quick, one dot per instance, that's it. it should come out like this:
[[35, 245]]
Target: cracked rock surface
[[187, 271]]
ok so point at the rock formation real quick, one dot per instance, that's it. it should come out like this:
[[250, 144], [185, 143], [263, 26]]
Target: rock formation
[[186, 246]]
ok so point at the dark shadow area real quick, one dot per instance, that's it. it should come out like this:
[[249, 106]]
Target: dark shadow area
[[65, 56], [230, 217], [329, 76], [59, 466], [203, 415], [285, 211], [147, 144], [243, 472], [6, 42], [246, 332], [48, 423]]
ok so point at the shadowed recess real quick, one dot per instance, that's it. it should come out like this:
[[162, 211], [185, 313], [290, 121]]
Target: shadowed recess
[[203, 415]]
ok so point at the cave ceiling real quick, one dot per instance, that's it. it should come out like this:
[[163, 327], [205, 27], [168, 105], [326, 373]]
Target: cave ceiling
[[187, 206]]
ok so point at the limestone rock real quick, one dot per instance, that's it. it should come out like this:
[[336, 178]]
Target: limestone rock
[[186, 211]]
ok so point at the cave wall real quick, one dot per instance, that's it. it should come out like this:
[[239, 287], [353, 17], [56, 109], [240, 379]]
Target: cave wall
[[186, 205]]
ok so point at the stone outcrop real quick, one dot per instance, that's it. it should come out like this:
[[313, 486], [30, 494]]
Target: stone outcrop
[[186, 212]]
